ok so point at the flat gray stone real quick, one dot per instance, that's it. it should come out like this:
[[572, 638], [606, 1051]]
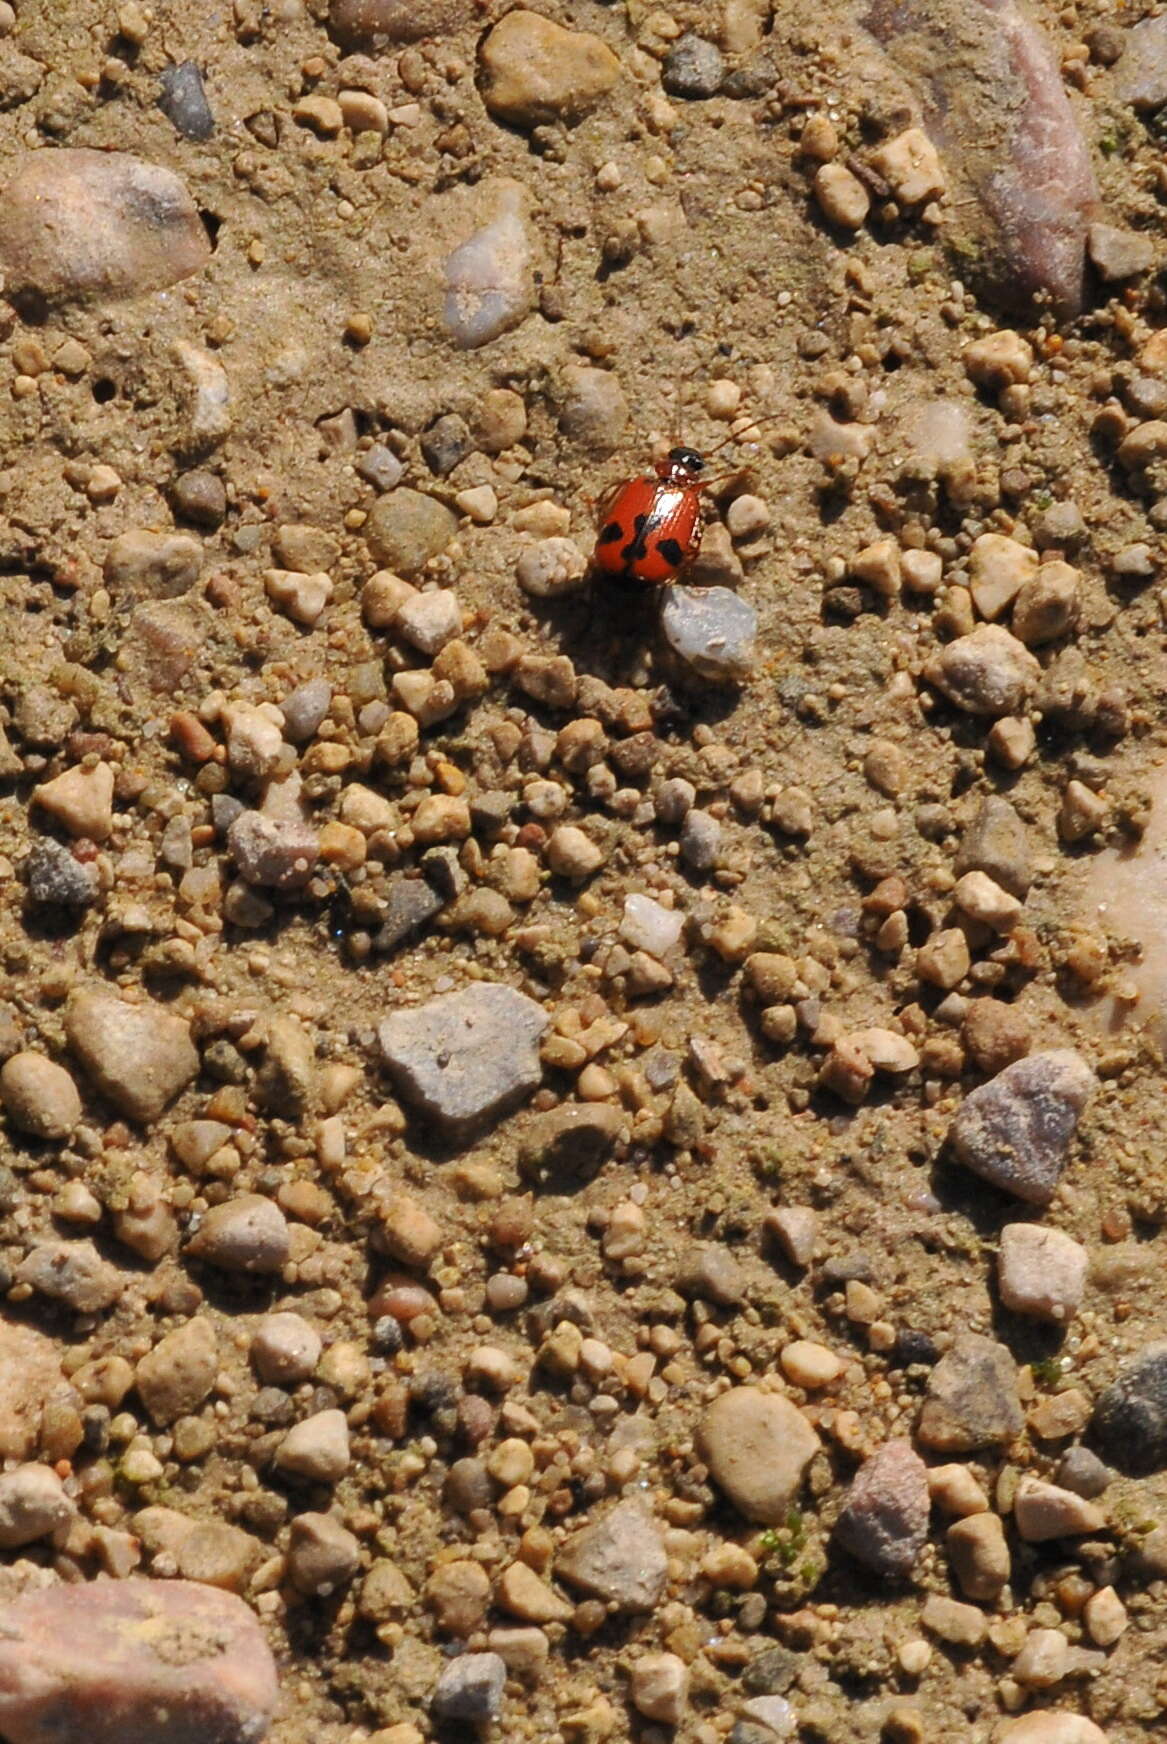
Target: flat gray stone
[[1015, 1130], [972, 1399], [470, 1689], [620, 1558], [465, 1058]]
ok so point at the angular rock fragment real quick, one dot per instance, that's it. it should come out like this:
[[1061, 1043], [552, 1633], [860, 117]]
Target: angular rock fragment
[[884, 1523], [619, 1558], [139, 1056], [466, 1058], [1015, 1130], [972, 1398]]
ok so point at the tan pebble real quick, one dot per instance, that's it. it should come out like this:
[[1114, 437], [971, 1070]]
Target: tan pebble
[[958, 1624], [522, 1593], [811, 1365], [841, 196], [39, 1097], [1105, 1617], [954, 1489], [911, 166], [81, 799]]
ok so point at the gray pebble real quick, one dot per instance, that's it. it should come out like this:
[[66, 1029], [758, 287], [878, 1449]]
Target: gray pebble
[[1084, 1473], [700, 841], [997, 842], [1060, 525], [467, 1057], [410, 905], [693, 67], [710, 1273], [201, 498], [972, 1398], [468, 1486], [380, 467], [470, 1689], [56, 880], [674, 799], [184, 101], [1130, 1419], [304, 708], [1015, 1130], [406, 528]]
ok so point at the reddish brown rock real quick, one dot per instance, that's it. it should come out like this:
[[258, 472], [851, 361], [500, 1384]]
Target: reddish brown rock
[[164, 1662]]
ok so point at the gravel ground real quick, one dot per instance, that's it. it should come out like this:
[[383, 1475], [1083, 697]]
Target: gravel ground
[[580, 1157]]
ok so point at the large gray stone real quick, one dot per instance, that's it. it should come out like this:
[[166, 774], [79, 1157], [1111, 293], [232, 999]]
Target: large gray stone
[[972, 1398], [1016, 1129], [620, 1558], [465, 1058]]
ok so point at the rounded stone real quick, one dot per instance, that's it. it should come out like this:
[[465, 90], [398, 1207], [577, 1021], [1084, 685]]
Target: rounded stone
[[757, 1447], [80, 224], [39, 1097]]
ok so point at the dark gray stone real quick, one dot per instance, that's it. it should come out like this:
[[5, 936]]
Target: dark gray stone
[[1130, 1419], [693, 67], [445, 443], [972, 1398], [409, 906], [1015, 1130], [56, 880], [183, 101]]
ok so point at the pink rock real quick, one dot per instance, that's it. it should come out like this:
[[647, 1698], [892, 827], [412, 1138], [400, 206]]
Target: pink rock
[[134, 1662], [995, 105]]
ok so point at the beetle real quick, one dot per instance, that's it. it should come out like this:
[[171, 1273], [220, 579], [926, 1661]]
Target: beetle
[[651, 525]]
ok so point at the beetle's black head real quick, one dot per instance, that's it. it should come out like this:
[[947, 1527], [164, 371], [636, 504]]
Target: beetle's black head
[[688, 459]]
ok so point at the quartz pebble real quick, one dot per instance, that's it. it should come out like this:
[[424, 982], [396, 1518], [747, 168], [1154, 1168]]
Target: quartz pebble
[[165, 1662], [273, 853], [448, 1057], [1041, 1272], [1044, 1511], [553, 567], [884, 1522], [316, 1448], [988, 672], [139, 1056], [80, 223], [712, 630], [81, 799], [979, 1554], [646, 926], [757, 1447], [659, 1687], [489, 278], [33, 1505], [1015, 1130], [285, 1349]]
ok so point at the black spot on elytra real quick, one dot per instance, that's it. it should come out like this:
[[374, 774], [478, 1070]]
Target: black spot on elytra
[[672, 552]]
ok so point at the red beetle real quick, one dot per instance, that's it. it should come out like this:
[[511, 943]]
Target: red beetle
[[652, 524]]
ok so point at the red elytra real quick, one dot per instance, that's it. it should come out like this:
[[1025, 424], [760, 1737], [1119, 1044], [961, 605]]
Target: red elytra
[[652, 524]]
